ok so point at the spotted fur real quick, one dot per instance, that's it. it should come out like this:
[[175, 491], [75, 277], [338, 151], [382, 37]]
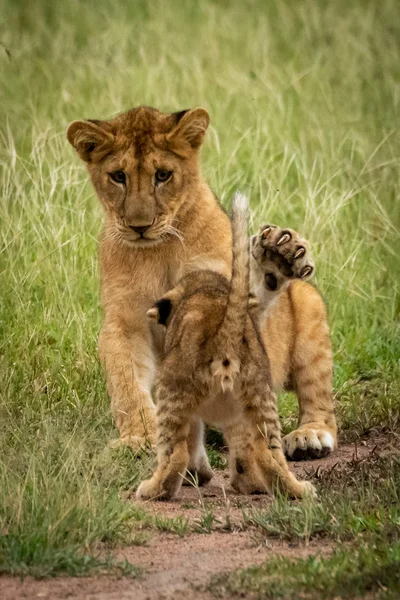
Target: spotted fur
[[216, 369]]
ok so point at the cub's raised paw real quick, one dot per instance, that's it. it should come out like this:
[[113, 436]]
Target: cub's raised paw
[[308, 442], [281, 255]]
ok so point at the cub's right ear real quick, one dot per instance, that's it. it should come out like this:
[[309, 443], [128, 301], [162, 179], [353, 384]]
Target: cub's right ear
[[91, 141], [160, 311]]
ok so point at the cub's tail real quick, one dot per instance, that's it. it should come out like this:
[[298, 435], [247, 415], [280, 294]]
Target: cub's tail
[[230, 334]]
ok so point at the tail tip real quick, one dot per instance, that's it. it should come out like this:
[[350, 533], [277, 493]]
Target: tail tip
[[240, 203]]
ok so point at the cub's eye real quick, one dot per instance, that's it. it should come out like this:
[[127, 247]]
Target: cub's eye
[[118, 176], [161, 175]]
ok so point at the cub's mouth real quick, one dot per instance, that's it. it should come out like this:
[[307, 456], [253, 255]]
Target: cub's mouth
[[145, 237], [141, 229], [141, 241]]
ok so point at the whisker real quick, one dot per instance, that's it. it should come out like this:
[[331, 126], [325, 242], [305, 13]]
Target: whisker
[[174, 231]]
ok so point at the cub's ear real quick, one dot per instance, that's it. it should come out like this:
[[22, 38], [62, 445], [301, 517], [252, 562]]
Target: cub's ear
[[91, 141], [161, 311], [191, 128]]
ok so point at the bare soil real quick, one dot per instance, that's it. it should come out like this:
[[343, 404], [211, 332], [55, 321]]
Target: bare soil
[[178, 567]]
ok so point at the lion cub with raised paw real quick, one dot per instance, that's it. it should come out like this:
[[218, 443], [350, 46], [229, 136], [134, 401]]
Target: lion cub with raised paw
[[216, 370]]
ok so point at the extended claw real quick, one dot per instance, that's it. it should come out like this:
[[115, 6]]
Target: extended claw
[[300, 252], [266, 232], [284, 239], [306, 272]]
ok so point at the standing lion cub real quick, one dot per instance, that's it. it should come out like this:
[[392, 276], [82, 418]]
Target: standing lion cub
[[161, 216], [216, 369]]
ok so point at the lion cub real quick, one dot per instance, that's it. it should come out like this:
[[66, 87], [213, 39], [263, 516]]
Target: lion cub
[[216, 370]]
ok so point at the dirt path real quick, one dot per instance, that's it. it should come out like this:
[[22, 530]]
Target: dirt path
[[175, 567]]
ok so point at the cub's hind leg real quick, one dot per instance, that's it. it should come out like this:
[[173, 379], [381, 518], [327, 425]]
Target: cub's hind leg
[[173, 416], [266, 449], [245, 474]]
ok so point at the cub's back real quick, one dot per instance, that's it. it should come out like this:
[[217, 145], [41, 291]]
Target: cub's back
[[195, 323]]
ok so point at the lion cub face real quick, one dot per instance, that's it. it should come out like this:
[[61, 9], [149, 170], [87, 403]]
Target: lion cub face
[[143, 165]]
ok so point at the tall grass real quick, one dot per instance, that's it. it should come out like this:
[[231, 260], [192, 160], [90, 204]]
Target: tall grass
[[304, 99]]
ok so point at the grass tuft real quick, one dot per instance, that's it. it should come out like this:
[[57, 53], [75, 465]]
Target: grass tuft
[[362, 497], [362, 571]]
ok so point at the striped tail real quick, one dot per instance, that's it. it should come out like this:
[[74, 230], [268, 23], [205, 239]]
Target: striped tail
[[230, 334]]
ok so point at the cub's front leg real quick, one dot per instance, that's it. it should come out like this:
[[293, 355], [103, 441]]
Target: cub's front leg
[[280, 255], [126, 353]]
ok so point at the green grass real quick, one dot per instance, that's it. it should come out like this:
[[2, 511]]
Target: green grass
[[360, 498], [63, 508], [304, 102], [358, 510], [179, 525], [347, 573]]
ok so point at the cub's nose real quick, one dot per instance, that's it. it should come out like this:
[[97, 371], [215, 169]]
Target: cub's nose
[[140, 228]]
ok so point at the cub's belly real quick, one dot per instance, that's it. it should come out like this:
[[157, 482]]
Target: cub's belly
[[220, 409]]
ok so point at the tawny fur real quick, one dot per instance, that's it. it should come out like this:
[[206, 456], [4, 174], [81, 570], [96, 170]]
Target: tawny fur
[[216, 369], [186, 226]]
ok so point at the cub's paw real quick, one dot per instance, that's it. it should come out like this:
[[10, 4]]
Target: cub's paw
[[136, 442], [282, 255], [247, 477], [249, 484], [151, 489], [309, 441], [307, 490]]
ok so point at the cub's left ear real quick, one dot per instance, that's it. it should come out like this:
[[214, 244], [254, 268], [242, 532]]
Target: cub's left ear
[[191, 128], [160, 311], [90, 139]]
